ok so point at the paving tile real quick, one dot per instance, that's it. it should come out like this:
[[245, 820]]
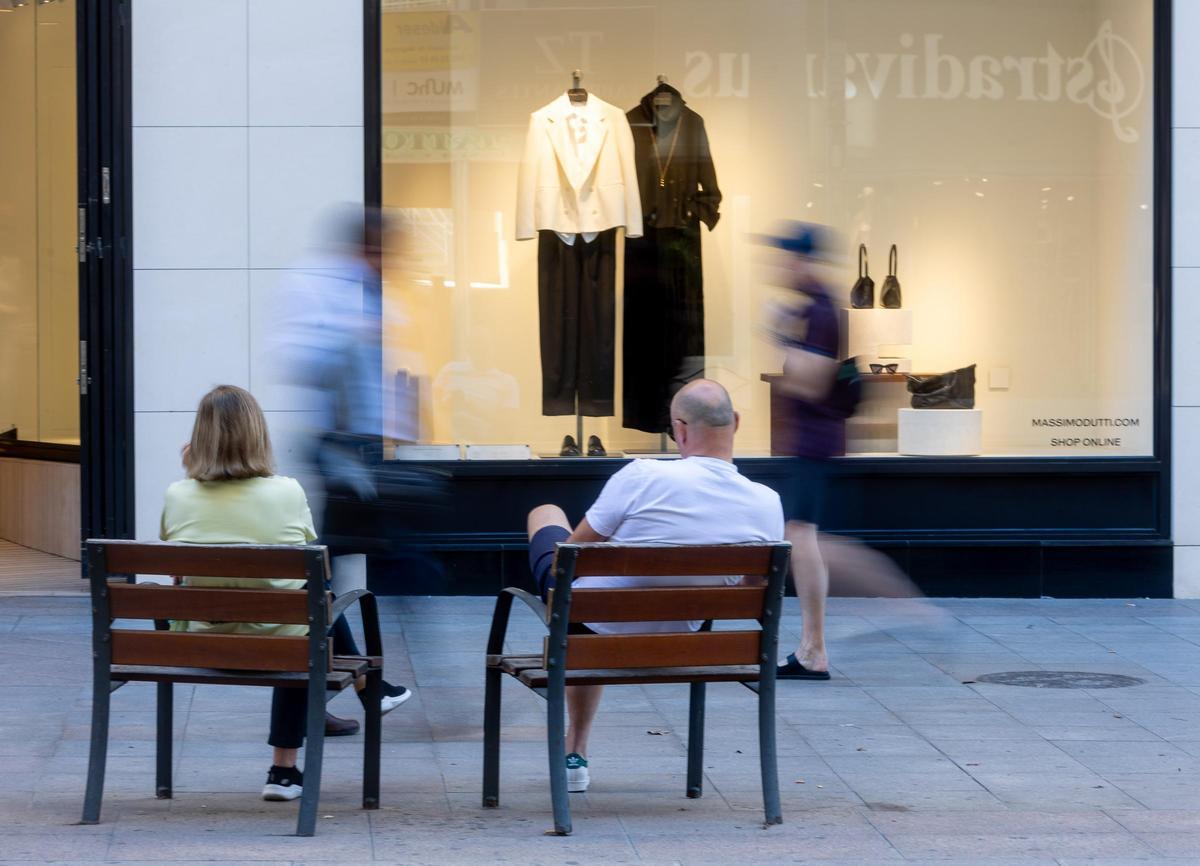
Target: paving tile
[[1115, 844], [1184, 845]]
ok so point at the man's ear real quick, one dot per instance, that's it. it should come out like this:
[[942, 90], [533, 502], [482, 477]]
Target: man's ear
[[737, 421]]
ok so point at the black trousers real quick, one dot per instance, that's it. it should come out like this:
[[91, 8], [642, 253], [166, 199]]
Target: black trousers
[[290, 706], [577, 311], [664, 323]]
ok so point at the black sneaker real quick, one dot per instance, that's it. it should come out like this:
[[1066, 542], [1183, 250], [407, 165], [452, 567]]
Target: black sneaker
[[393, 696], [283, 783]]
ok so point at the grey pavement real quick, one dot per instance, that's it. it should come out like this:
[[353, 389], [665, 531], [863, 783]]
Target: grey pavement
[[905, 756]]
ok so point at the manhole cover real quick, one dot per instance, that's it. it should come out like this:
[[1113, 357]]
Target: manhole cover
[[1060, 680]]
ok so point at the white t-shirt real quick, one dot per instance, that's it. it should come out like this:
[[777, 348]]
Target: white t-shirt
[[696, 500]]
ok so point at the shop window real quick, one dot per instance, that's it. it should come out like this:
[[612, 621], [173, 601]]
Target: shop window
[[39, 295], [1004, 148]]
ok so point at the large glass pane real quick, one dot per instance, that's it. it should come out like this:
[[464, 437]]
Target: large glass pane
[[1003, 146], [39, 298]]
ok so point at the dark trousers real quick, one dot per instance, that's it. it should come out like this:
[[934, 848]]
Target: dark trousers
[[576, 306], [664, 323], [288, 706]]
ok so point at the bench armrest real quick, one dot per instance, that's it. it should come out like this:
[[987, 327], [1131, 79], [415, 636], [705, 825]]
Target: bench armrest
[[369, 608], [504, 602], [534, 603]]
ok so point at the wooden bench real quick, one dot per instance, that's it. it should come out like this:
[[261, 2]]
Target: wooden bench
[[166, 657], [706, 656]]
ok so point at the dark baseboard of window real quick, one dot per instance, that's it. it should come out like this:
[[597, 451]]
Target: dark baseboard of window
[[50, 452]]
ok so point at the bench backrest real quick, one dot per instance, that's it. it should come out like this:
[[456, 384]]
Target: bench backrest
[[660, 603], [112, 600]]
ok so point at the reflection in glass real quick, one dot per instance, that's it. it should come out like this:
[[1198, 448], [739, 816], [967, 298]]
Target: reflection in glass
[[1004, 145]]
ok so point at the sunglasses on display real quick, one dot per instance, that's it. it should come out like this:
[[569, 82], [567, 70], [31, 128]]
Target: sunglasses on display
[[884, 368]]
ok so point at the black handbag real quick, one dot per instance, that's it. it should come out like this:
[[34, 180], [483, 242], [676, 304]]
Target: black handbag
[[862, 296], [952, 390], [889, 293]]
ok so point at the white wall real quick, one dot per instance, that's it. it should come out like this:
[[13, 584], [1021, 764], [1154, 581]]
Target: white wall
[[247, 122], [1185, 410]]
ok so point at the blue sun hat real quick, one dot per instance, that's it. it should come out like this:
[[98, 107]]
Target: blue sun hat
[[809, 240]]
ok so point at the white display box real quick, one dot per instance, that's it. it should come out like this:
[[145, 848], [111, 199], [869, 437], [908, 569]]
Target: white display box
[[868, 331], [427, 452], [940, 432], [499, 452]]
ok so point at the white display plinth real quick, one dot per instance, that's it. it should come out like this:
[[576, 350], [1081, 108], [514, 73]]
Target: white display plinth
[[499, 452], [869, 330], [427, 452], [940, 432]]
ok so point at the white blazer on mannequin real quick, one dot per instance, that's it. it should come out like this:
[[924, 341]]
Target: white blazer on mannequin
[[578, 173]]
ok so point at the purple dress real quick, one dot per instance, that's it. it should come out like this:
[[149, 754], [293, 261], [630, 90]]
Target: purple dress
[[814, 430]]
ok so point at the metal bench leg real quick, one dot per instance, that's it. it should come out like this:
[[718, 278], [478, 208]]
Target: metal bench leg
[[372, 745], [766, 750], [314, 749], [98, 753], [556, 750], [493, 687], [695, 763], [166, 715]]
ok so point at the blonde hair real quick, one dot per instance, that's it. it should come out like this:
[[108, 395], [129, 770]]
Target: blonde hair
[[229, 439]]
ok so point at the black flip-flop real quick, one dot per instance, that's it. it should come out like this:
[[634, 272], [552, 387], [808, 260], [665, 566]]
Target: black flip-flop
[[793, 670]]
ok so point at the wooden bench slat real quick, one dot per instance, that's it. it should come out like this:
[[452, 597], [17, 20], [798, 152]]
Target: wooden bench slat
[[674, 649], [358, 664], [515, 664], [206, 650], [335, 681], [208, 604], [225, 561], [667, 561], [645, 604], [538, 678]]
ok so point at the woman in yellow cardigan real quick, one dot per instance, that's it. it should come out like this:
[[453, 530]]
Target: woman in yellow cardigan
[[232, 496]]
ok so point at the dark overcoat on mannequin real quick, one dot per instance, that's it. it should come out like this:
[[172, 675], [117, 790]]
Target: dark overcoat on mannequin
[[664, 276]]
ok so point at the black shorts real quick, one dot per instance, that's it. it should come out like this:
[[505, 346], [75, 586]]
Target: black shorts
[[541, 559], [812, 479]]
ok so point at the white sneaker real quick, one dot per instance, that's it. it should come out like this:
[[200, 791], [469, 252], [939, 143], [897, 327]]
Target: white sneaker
[[283, 783], [577, 773], [393, 696]]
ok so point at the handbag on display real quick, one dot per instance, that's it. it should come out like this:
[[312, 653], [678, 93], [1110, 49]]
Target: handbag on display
[[889, 293], [952, 390], [862, 296]]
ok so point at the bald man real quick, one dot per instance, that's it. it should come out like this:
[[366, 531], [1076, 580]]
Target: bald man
[[701, 499]]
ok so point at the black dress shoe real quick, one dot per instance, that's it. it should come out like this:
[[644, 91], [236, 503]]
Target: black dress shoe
[[335, 727], [596, 447], [569, 447]]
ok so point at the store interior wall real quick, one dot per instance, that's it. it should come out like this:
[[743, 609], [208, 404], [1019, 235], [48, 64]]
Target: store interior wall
[[39, 298], [244, 136], [1023, 222]]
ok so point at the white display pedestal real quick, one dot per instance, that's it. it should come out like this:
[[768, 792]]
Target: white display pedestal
[[940, 432], [868, 331]]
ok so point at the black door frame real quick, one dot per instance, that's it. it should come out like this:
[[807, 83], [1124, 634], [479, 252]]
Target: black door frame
[[105, 285], [105, 131]]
